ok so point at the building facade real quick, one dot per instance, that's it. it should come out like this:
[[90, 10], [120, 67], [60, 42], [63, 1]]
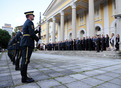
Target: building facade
[[71, 19], [8, 28]]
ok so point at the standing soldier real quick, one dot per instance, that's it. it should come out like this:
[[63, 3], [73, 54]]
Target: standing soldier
[[10, 51], [18, 49], [27, 44], [12, 44]]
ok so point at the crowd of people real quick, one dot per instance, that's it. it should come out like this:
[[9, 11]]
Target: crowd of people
[[98, 43]]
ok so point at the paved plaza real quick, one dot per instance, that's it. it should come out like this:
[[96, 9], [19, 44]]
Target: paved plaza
[[60, 71]]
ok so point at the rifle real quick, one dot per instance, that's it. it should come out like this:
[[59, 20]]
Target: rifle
[[39, 34]]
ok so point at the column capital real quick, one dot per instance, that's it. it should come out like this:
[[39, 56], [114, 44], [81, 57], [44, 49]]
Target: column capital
[[62, 13], [73, 5]]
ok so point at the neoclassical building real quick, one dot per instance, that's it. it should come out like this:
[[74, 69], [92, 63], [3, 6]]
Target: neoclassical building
[[71, 19]]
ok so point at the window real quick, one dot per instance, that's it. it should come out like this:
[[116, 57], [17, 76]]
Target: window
[[82, 19], [97, 13], [114, 6]]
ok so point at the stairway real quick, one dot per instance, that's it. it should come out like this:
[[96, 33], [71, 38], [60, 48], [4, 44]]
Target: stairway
[[104, 54]]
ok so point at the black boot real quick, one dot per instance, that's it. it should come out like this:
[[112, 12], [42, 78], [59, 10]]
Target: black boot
[[25, 79]]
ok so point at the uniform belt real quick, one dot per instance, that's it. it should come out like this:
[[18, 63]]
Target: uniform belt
[[26, 34]]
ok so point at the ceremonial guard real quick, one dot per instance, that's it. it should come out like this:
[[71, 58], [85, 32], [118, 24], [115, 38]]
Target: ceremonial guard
[[27, 44], [18, 49], [10, 51], [12, 46]]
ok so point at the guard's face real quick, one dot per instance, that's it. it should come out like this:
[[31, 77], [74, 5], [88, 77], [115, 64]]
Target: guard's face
[[32, 17]]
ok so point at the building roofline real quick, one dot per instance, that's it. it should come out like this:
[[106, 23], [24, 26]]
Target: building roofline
[[52, 2]]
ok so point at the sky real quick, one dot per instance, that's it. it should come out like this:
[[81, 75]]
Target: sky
[[12, 11]]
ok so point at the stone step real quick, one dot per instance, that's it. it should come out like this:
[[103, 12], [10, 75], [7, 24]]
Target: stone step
[[104, 54]]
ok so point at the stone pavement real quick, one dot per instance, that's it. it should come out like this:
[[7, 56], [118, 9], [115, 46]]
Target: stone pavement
[[60, 71]]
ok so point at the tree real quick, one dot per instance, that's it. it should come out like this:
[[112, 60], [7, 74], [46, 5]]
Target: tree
[[13, 33], [4, 38], [15, 29]]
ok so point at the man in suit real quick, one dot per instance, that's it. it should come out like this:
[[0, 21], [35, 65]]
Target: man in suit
[[86, 43], [27, 44], [90, 43], [103, 43], [98, 42]]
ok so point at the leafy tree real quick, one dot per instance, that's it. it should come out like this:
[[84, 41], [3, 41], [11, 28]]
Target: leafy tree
[[4, 38], [15, 29], [13, 33]]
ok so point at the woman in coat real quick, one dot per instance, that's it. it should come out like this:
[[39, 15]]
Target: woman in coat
[[117, 42], [107, 42]]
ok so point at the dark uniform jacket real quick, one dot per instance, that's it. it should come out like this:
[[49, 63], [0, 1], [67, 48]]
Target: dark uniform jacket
[[28, 28], [12, 43], [18, 38]]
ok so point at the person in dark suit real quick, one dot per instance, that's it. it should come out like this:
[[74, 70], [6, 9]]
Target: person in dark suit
[[86, 43], [98, 43], [68, 45], [63, 45], [103, 43], [71, 44], [27, 44], [18, 49], [52, 46], [107, 42], [77, 44], [83, 44], [117, 42], [90, 43], [80, 44], [74, 44], [94, 43]]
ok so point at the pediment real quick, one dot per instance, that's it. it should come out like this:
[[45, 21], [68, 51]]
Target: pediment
[[53, 5]]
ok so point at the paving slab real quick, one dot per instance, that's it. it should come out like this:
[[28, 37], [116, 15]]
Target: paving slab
[[62, 71], [48, 83]]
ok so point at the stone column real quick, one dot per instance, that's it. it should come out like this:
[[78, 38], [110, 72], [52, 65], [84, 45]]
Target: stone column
[[118, 12], [47, 33], [91, 18], [53, 30], [62, 25], [74, 21]]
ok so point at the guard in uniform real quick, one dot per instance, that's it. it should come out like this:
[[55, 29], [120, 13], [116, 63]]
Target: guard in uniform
[[27, 44], [10, 50], [12, 46], [18, 49]]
